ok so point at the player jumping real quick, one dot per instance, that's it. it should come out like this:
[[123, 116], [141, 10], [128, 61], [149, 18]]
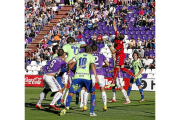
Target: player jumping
[[120, 55], [85, 62], [50, 83], [137, 70]]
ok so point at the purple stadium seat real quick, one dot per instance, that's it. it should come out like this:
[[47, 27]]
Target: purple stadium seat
[[101, 45], [153, 33], [143, 32], [129, 37], [145, 37], [28, 63], [132, 32], [110, 60], [131, 28], [140, 36], [136, 28], [137, 32], [111, 65]]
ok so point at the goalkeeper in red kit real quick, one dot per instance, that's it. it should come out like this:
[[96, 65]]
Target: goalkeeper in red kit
[[120, 55]]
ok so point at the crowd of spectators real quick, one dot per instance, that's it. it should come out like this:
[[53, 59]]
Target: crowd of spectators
[[86, 15]]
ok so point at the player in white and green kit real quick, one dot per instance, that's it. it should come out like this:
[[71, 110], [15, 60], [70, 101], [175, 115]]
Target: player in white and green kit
[[85, 62], [72, 50], [137, 70]]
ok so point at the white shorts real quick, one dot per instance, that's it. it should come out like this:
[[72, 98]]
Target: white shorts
[[119, 82], [101, 82], [65, 78], [50, 82]]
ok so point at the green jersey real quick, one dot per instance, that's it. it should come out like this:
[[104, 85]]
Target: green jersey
[[83, 67], [72, 50], [137, 65], [55, 55]]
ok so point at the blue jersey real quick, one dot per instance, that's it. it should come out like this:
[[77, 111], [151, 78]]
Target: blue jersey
[[99, 59], [55, 66]]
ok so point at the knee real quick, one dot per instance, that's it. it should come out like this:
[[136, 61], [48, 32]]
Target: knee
[[60, 90]]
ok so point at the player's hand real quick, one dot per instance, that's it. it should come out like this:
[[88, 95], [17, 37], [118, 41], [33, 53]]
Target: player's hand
[[136, 75], [97, 80]]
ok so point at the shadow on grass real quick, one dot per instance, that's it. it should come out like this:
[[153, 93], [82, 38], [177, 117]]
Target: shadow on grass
[[73, 110]]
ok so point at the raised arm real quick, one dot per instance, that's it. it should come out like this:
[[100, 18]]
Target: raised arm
[[114, 25]]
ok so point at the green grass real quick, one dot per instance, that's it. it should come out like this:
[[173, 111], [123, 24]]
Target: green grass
[[116, 111]]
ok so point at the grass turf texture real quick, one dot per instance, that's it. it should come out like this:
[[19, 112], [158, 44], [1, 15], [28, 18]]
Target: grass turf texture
[[115, 111]]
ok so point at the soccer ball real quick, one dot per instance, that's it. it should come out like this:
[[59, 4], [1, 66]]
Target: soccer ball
[[112, 10]]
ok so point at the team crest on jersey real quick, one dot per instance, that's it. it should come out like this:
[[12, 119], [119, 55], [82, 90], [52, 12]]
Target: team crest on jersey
[[76, 87]]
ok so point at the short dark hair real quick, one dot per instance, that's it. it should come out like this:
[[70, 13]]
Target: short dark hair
[[136, 52], [121, 36], [55, 48], [60, 52], [94, 47], [88, 48], [70, 39]]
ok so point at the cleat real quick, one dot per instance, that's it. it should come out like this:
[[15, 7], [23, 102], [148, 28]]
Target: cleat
[[63, 112], [63, 105], [58, 105], [142, 100], [53, 107], [93, 114], [125, 98], [108, 86], [112, 100], [84, 109], [112, 85], [39, 107], [105, 108], [127, 102]]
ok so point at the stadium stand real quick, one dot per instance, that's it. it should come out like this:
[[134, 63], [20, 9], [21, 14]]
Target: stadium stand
[[74, 21]]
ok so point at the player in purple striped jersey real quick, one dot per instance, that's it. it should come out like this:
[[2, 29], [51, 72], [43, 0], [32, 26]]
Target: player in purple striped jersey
[[50, 83], [99, 59]]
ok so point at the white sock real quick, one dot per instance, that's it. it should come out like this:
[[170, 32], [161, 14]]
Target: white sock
[[66, 97], [125, 94], [57, 96], [104, 97], [41, 97], [82, 98], [86, 94], [114, 93], [63, 93]]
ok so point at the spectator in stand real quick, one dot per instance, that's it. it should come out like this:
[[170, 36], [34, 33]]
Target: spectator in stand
[[29, 56], [82, 41], [134, 2], [114, 3], [101, 6], [26, 43], [147, 53], [144, 4], [44, 21], [105, 38], [95, 26], [153, 43], [152, 13], [139, 43], [99, 39], [66, 32], [141, 12], [93, 38], [125, 25], [127, 63], [146, 63], [110, 38], [57, 38], [89, 25], [148, 43], [150, 21], [141, 52], [153, 65], [132, 44], [141, 61], [45, 45], [138, 22]]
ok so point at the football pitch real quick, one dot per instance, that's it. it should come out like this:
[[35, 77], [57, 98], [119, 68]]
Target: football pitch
[[115, 111]]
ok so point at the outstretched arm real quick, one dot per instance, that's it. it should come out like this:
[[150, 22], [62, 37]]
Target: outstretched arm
[[114, 25]]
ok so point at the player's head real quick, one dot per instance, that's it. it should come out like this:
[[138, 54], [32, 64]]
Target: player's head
[[55, 48], [88, 48], [60, 53], [120, 36], [70, 40], [94, 47], [135, 55]]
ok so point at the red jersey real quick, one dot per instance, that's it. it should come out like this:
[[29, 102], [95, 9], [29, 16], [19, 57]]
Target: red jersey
[[118, 45]]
